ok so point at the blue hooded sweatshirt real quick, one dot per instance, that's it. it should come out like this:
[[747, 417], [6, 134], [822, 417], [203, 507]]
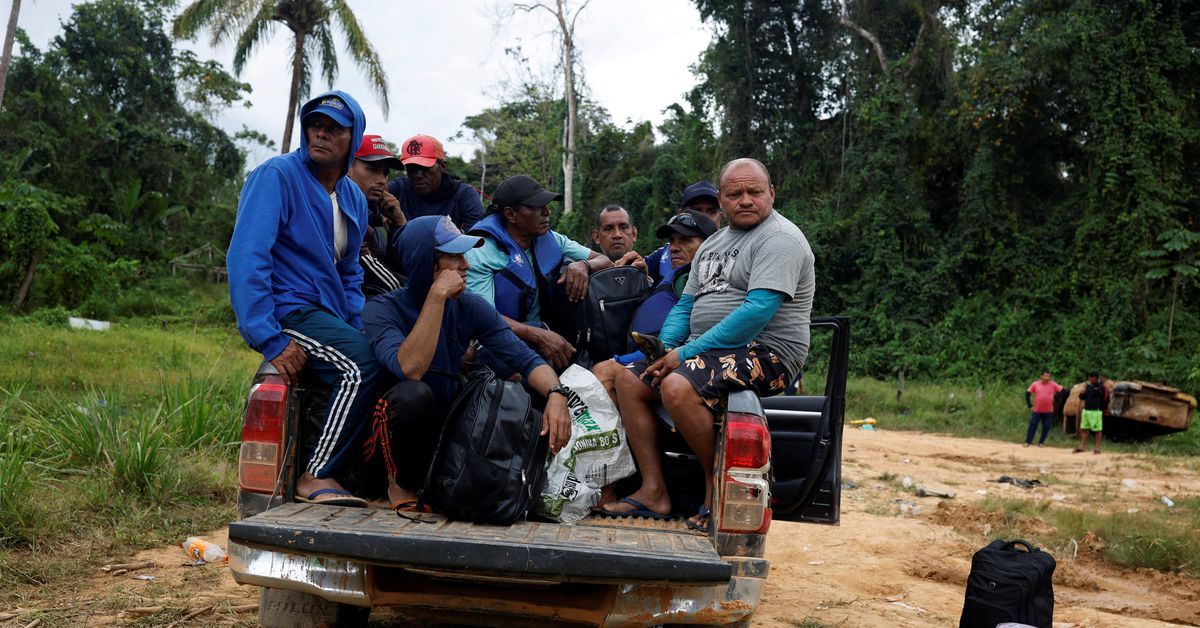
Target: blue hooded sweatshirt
[[390, 317], [281, 257]]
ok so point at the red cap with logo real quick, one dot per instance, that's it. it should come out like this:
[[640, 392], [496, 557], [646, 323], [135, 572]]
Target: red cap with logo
[[422, 150], [374, 149]]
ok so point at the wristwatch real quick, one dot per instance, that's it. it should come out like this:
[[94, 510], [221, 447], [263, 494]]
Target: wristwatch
[[560, 389]]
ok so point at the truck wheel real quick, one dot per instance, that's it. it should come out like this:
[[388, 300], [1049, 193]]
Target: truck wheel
[[292, 609]]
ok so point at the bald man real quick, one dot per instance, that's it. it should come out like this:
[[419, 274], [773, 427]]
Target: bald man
[[741, 323]]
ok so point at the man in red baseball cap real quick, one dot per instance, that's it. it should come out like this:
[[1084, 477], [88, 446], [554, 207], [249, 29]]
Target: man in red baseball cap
[[370, 171], [429, 190]]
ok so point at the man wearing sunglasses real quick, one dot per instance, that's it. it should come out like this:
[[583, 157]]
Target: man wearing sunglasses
[[741, 323], [700, 196]]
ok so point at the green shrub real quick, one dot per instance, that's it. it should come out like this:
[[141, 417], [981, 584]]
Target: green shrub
[[51, 316], [18, 508]]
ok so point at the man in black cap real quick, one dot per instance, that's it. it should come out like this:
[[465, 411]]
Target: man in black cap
[[519, 259], [700, 196]]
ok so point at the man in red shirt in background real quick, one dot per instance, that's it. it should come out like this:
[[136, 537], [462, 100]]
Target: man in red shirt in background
[[1040, 398]]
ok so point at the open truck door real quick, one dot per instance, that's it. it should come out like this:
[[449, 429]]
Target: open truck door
[[806, 431]]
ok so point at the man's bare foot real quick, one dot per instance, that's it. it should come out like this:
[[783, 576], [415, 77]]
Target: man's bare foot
[[307, 484], [398, 494], [314, 490], [641, 500]]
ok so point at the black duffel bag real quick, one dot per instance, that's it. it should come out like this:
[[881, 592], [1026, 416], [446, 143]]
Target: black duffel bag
[[598, 326], [1008, 584], [490, 463]]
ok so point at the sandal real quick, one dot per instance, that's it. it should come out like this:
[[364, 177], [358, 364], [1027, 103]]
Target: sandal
[[706, 515]]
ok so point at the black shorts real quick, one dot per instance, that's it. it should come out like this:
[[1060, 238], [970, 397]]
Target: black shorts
[[714, 374]]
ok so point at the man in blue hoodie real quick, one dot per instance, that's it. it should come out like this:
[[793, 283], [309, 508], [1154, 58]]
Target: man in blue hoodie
[[422, 331], [295, 283], [428, 190]]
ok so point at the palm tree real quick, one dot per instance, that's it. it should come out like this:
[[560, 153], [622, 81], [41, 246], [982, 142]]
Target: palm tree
[[251, 22], [6, 56]]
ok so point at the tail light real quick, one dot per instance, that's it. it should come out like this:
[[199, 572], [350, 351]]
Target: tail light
[[745, 500], [262, 436]]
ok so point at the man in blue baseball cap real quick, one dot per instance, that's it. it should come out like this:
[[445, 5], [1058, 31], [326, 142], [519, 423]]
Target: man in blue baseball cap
[[700, 196], [421, 332], [295, 285]]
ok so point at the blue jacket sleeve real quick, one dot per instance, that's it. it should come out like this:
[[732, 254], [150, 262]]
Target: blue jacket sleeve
[[385, 334], [470, 208], [741, 326], [679, 321], [502, 344], [249, 262]]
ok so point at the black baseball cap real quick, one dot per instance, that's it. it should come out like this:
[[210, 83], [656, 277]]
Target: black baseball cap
[[688, 222], [523, 190], [699, 189]]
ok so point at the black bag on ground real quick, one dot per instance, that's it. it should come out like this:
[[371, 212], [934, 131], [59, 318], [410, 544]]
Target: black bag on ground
[[598, 326], [1008, 584], [490, 463]]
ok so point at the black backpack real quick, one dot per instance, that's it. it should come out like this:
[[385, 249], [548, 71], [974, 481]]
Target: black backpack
[[490, 463], [598, 326], [1008, 584]]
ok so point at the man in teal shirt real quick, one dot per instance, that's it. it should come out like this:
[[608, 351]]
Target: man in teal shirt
[[520, 257]]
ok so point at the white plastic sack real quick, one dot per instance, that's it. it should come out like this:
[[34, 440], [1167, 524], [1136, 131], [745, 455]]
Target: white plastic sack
[[596, 454]]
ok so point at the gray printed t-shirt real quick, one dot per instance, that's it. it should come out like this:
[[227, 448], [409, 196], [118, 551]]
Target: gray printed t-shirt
[[775, 256]]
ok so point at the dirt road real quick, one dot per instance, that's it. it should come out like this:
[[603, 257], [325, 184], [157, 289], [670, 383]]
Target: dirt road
[[888, 564]]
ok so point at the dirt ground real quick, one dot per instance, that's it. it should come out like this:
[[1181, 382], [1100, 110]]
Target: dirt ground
[[889, 563]]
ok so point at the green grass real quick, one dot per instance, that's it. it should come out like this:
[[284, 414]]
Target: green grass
[[1165, 539], [113, 441], [995, 411]]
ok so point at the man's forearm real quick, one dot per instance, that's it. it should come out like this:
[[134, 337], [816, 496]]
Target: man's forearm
[[416, 352], [542, 379], [527, 333]]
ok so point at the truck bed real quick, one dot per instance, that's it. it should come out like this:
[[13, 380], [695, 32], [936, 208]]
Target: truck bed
[[605, 552]]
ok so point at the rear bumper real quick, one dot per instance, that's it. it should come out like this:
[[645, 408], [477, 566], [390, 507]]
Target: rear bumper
[[442, 594]]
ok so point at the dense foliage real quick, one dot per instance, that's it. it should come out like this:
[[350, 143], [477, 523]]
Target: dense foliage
[[991, 186], [112, 164], [996, 186]]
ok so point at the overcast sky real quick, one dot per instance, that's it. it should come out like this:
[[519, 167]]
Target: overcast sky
[[445, 61]]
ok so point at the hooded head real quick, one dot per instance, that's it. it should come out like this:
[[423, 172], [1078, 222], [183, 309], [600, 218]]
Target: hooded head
[[342, 109], [420, 242]]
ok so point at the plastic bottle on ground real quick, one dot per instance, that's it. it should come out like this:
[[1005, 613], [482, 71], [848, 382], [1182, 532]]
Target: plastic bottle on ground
[[207, 551]]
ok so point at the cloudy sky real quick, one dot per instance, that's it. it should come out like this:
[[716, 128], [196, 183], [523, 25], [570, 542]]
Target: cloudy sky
[[445, 60]]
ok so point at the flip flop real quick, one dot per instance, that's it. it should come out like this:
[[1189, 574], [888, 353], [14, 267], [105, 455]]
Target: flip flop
[[640, 510], [704, 513], [410, 505], [338, 497]]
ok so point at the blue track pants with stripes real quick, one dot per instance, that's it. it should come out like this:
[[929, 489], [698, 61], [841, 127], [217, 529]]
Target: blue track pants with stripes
[[341, 357]]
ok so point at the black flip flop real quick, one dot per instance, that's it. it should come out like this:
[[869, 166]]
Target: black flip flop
[[344, 498], [640, 510]]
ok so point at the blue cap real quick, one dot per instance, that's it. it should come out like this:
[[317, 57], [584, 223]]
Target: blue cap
[[333, 107], [448, 239], [699, 189]]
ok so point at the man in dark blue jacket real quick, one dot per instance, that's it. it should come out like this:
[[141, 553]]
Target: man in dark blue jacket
[[294, 282], [422, 331], [429, 190]]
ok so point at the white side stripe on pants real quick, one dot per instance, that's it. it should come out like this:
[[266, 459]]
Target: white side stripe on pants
[[339, 404]]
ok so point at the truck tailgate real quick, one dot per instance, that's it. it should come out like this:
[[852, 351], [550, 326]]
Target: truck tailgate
[[550, 551]]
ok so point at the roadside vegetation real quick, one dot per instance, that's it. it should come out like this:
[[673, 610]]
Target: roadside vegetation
[[115, 441]]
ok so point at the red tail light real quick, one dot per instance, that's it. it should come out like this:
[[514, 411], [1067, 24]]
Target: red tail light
[[745, 497], [262, 435], [747, 442]]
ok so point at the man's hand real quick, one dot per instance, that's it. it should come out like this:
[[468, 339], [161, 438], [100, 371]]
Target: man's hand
[[290, 362], [575, 276], [448, 284], [556, 422], [389, 209], [633, 258], [554, 348], [664, 366]]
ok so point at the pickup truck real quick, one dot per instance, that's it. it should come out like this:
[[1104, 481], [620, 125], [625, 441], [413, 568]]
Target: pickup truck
[[779, 458]]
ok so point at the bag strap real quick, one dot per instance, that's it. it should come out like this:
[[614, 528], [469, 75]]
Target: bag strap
[[1012, 545]]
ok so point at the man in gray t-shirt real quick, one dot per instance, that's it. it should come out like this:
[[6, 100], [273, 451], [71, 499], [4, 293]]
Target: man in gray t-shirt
[[742, 323]]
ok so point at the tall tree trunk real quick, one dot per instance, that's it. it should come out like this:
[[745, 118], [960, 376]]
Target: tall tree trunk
[[9, 36], [294, 94], [23, 291], [568, 53]]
